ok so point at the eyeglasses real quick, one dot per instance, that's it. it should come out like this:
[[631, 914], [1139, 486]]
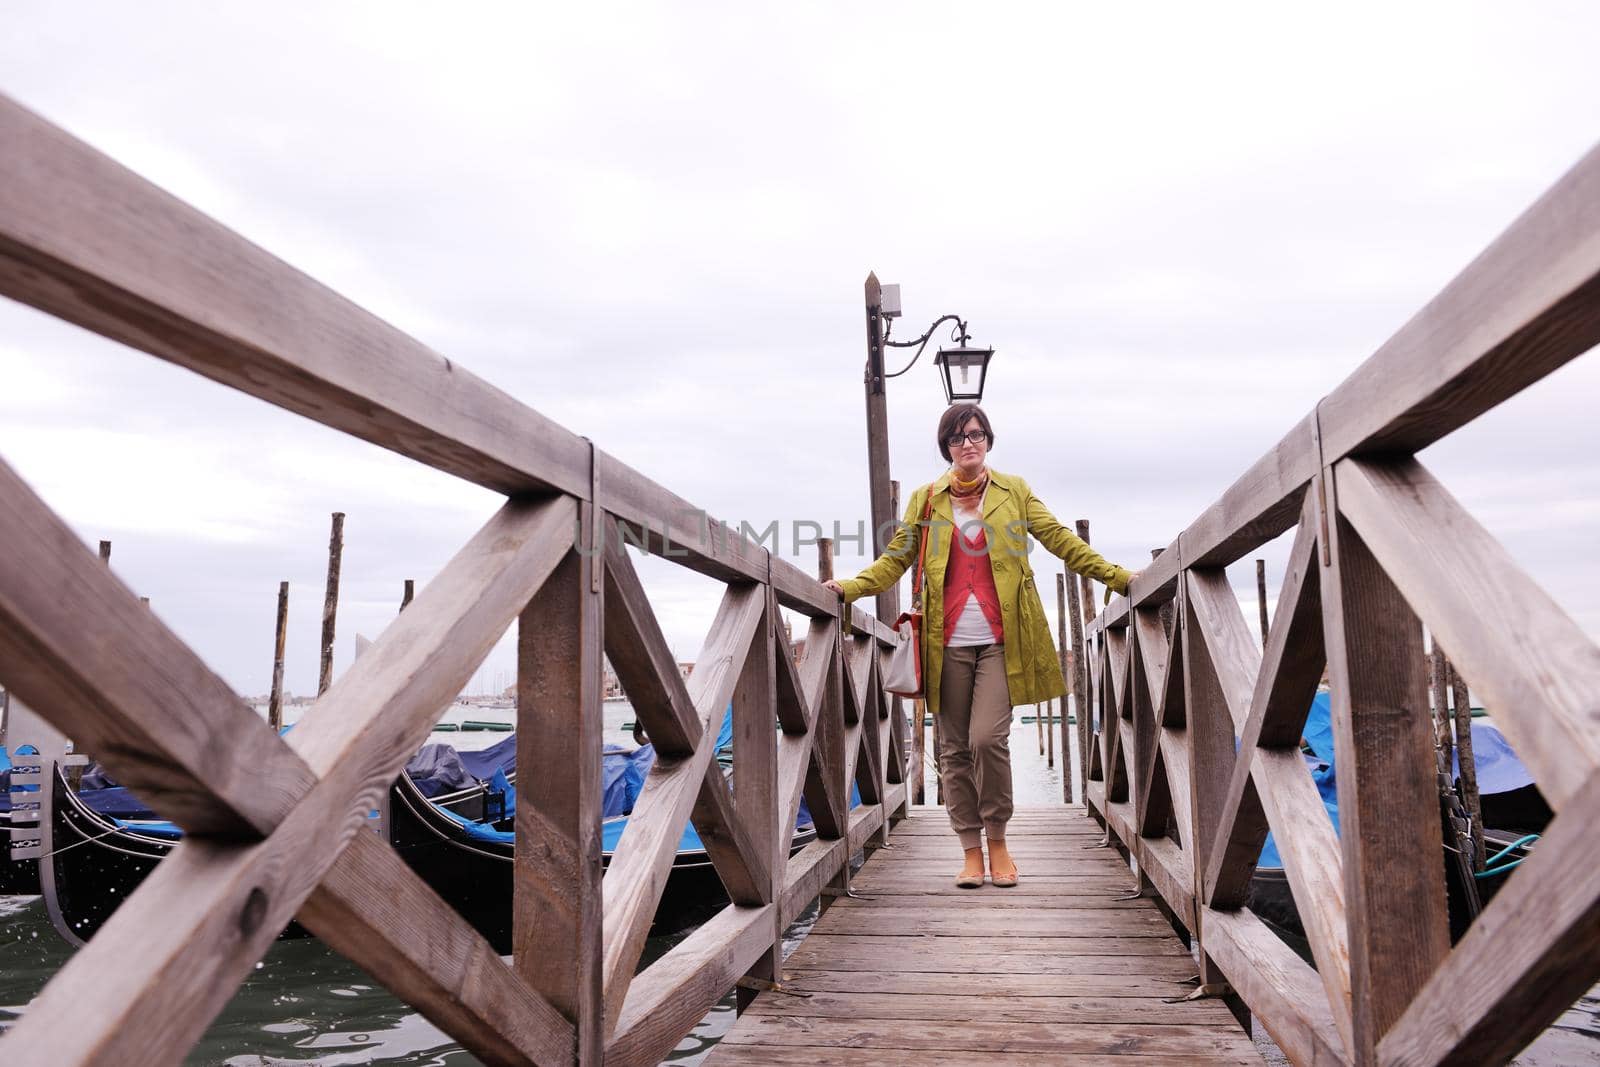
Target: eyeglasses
[[977, 437]]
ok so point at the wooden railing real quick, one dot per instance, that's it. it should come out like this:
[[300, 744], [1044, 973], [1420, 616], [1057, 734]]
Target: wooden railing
[[1381, 550], [274, 824]]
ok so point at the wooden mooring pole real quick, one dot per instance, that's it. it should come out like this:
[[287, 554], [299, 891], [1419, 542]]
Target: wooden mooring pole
[[1469, 767], [1439, 685], [105, 551], [275, 699], [1261, 597], [330, 605], [411, 590]]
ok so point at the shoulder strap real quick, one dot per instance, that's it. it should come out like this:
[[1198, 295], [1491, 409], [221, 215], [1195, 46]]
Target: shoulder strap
[[922, 553]]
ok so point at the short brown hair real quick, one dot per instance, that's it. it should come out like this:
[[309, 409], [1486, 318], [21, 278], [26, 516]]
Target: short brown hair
[[954, 418]]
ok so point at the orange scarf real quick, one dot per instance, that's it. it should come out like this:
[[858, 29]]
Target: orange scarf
[[962, 488]]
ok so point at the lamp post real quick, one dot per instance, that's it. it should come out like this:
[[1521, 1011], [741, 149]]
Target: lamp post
[[962, 371]]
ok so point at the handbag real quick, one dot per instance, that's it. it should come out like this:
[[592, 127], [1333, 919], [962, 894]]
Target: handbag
[[903, 675]]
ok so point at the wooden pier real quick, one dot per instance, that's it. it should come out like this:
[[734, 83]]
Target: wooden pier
[[1064, 968], [1190, 729]]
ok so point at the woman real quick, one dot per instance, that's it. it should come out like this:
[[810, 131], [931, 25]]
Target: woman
[[986, 641]]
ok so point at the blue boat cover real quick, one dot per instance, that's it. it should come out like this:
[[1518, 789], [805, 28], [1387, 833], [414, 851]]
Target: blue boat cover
[[1499, 769], [500, 756], [438, 768]]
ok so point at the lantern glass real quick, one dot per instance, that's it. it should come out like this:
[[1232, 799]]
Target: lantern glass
[[963, 371]]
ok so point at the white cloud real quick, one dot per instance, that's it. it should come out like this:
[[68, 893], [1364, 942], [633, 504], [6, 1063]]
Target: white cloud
[[1179, 226]]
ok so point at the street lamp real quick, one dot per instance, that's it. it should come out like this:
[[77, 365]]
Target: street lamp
[[971, 364], [963, 370]]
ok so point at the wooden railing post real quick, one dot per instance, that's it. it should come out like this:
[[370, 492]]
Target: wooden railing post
[[1082, 697], [1388, 804], [556, 923], [755, 779], [1210, 741]]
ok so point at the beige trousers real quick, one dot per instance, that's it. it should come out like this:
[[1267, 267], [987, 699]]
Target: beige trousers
[[975, 741]]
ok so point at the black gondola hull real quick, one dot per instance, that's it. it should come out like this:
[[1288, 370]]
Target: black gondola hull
[[475, 875], [97, 864]]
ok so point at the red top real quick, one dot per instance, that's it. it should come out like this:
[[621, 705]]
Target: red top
[[969, 574]]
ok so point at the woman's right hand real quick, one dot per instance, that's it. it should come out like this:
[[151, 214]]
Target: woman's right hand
[[835, 586]]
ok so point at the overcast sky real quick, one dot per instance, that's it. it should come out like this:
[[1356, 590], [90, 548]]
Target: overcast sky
[[1179, 227]]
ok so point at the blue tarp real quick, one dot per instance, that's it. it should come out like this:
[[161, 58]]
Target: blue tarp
[[1499, 770], [500, 756], [623, 776], [438, 768]]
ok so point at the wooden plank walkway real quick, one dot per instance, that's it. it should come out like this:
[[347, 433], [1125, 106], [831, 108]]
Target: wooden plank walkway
[[1054, 971]]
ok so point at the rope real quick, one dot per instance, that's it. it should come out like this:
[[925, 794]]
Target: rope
[[1489, 868]]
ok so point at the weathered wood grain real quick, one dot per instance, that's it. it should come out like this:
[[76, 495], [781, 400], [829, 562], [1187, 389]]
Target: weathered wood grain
[[557, 918], [1529, 661], [1209, 716], [1531, 954], [1049, 926], [810, 1055], [644, 663], [374, 909], [1283, 689], [1388, 804], [1005, 982], [643, 859], [180, 945], [866, 1003], [755, 783], [1174, 1041], [893, 973], [670, 997], [1282, 991]]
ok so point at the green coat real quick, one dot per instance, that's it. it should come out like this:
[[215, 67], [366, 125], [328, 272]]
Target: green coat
[[1011, 513]]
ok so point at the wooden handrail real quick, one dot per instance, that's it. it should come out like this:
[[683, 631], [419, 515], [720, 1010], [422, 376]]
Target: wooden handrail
[[1197, 749], [89, 241], [276, 826]]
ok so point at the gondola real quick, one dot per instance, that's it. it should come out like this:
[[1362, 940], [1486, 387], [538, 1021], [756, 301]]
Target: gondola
[[469, 864], [104, 841], [467, 860]]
